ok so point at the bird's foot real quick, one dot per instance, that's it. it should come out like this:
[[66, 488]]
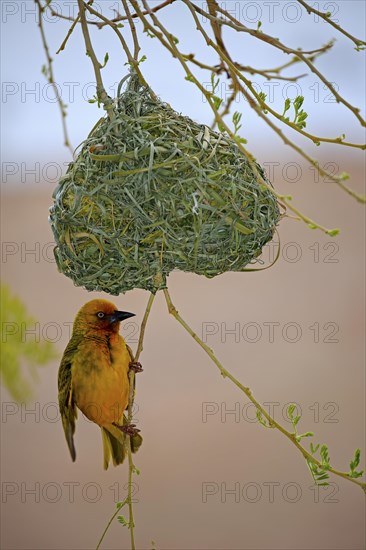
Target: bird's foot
[[136, 366], [128, 429]]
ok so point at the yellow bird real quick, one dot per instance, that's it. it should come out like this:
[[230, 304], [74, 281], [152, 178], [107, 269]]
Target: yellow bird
[[93, 377]]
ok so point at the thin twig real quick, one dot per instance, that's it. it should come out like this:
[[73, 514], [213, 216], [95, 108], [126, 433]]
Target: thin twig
[[50, 77], [327, 18], [248, 392], [101, 93], [251, 70], [55, 13], [259, 110], [267, 75], [143, 327], [131, 59], [131, 376], [69, 33], [293, 61], [235, 68], [175, 51], [172, 47], [133, 31], [109, 523], [131, 469], [238, 26]]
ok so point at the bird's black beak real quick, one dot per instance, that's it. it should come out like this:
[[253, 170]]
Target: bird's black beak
[[120, 316]]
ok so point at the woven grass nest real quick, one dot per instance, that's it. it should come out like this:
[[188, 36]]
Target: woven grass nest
[[152, 191]]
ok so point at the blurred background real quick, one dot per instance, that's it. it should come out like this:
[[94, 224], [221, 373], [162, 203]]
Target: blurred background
[[211, 476]]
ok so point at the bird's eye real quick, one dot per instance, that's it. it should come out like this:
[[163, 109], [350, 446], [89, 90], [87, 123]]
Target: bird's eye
[[100, 314]]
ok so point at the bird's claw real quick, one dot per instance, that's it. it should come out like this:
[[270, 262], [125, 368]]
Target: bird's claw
[[136, 366], [128, 429]]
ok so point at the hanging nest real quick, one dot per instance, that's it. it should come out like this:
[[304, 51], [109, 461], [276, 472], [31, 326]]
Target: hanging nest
[[152, 191]]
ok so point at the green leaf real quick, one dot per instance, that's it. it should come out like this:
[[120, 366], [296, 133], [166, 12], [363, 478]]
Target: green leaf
[[333, 232], [240, 139], [298, 101], [237, 117], [355, 474], [236, 121], [355, 462], [17, 350], [262, 96], [306, 434], [261, 419], [296, 420], [287, 106], [214, 82], [122, 520], [189, 77], [322, 476], [314, 449], [106, 57], [353, 465], [149, 34], [344, 176], [324, 456], [216, 101]]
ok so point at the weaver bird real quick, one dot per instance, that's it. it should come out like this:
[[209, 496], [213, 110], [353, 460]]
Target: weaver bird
[[93, 377]]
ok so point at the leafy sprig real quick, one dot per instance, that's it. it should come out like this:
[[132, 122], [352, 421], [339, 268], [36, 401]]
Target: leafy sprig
[[353, 473], [300, 115]]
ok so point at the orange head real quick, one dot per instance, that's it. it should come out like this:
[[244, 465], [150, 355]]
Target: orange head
[[100, 315]]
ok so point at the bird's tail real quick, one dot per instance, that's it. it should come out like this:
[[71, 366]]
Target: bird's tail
[[114, 444]]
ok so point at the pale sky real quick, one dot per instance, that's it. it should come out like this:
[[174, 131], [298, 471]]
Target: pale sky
[[31, 125]]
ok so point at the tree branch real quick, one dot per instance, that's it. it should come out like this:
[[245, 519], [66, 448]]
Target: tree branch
[[326, 17], [50, 77], [248, 392], [101, 93], [238, 26], [131, 376], [131, 59]]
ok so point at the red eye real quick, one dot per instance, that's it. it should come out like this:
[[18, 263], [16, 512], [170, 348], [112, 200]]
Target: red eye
[[100, 314]]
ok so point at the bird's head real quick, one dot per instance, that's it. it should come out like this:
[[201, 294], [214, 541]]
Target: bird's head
[[100, 315]]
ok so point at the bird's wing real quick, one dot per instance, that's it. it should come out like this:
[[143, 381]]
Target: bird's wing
[[65, 398]]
